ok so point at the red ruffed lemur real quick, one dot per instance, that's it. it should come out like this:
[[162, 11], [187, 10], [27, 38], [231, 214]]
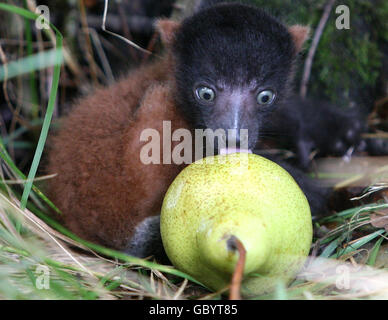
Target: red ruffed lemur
[[228, 66]]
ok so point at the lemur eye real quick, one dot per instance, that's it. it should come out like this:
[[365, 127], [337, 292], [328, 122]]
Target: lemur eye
[[266, 97], [205, 94]]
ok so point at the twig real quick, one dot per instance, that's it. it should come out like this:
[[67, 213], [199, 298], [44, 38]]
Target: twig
[[101, 54], [4, 61], [126, 30], [317, 36], [19, 103], [150, 47], [45, 230], [117, 35], [235, 286], [18, 181], [89, 49], [70, 60], [135, 23], [180, 290]]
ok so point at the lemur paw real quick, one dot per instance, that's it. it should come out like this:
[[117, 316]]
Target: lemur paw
[[147, 241]]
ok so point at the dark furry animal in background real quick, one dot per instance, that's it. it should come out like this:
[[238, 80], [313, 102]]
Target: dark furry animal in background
[[229, 66], [307, 126]]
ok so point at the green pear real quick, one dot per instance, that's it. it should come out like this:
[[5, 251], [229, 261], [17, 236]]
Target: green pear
[[237, 195]]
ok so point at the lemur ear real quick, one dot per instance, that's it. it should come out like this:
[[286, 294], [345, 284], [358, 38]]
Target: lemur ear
[[299, 35], [167, 29]]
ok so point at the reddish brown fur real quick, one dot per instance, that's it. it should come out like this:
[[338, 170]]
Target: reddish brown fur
[[101, 187]]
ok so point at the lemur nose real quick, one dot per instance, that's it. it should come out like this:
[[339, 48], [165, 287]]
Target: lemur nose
[[230, 140], [238, 139], [233, 141], [224, 138]]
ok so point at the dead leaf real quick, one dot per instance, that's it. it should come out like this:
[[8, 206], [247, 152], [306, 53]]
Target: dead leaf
[[379, 221]]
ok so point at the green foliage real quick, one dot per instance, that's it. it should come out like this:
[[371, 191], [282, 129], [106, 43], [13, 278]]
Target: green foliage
[[291, 11], [348, 63]]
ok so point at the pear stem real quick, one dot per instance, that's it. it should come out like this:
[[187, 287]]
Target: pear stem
[[235, 286]]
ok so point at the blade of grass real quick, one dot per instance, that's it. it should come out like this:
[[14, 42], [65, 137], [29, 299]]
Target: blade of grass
[[372, 258], [281, 291], [357, 244], [332, 246], [23, 145], [350, 212], [45, 129], [53, 94], [18, 132], [31, 63], [33, 85], [7, 159]]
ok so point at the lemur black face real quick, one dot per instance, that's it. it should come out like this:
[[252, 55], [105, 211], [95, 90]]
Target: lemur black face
[[233, 65]]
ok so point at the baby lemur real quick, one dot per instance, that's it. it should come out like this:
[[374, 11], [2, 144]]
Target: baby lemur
[[308, 126], [228, 66]]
